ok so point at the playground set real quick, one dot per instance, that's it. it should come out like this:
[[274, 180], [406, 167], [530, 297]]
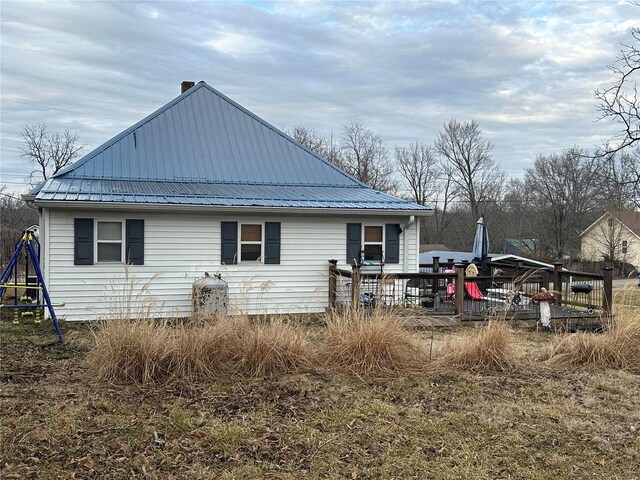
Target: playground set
[[30, 296]]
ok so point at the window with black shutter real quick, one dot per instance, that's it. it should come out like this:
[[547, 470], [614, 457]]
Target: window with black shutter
[[272, 242], [83, 241], [229, 243], [135, 242]]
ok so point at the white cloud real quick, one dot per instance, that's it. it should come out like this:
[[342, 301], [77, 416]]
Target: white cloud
[[526, 71]]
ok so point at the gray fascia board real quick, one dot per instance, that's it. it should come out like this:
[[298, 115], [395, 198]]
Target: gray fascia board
[[231, 208]]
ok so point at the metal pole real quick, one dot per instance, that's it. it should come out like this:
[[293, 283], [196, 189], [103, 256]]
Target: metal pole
[[45, 292], [607, 297]]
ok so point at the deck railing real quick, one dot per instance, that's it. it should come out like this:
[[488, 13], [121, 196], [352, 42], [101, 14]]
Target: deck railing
[[452, 292]]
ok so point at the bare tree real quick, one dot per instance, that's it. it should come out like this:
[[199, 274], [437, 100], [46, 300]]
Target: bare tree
[[619, 174], [16, 216], [420, 170], [325, 147], [476, 175], [620, 102], [365, 157], [48, 152], [563, 198]]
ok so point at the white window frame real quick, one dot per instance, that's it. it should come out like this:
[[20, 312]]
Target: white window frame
[[96, 241], [625, 247], [382, 244], [251, 242]]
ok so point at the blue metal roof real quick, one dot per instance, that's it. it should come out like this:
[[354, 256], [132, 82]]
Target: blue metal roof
[[202, 148]]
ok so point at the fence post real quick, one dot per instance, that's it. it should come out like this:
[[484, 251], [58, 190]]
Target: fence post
[[607, 297], [545, 279], [355, 286], [557, 281], [333, 277], [435, 268], [459, 288]]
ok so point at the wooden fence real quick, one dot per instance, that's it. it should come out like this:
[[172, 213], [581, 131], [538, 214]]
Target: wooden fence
[[452, 292]]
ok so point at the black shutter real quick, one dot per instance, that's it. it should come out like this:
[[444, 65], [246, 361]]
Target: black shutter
[[354, 242], [392, 243], [83, 241], [272, 242], [229, 243], [135, 242]]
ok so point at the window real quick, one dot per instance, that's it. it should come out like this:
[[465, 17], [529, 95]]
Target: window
[[109, 242], [373, 242], [625, 247], [250, 242]]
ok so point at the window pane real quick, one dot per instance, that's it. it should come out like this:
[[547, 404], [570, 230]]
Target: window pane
[[373, 252], [109, 231], [109, 252], [251, 233], [250, 252], [373, 234]]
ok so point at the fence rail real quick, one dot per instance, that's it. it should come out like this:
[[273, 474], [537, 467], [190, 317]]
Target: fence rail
[[444, 288]]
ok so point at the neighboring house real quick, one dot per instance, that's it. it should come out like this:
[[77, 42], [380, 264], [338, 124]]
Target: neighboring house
[[427, 247], [613, 236], [204, 185], [426, 258], [519, 246]]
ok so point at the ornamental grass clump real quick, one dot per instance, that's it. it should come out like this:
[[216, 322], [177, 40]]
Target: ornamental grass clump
[[618, 347], [132, 352], [364, 341], [490, 349], [273, 348]]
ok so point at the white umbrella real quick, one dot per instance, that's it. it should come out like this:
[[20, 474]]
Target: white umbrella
[[481, 242]]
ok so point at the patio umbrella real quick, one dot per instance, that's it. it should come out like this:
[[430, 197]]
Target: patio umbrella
[[481, 243]]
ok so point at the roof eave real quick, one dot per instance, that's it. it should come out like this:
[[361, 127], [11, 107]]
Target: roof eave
[[228, 208]]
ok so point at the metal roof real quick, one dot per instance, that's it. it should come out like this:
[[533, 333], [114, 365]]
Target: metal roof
[[203, 148], [202, 193]]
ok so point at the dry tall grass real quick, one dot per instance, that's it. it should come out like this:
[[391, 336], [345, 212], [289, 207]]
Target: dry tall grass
[[144, 351], [617, 348], [273, 348], [361, 341], [490, 349], [131, 352]]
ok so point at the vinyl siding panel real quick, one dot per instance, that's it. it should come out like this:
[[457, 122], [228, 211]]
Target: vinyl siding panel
[[179, 248]]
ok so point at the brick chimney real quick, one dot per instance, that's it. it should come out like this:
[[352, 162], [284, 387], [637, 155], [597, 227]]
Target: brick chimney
[[184, 86]]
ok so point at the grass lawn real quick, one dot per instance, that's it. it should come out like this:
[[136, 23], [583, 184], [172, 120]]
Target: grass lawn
[[535, 423]]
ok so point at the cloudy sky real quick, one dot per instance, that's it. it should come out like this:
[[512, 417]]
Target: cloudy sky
[[525, 70]]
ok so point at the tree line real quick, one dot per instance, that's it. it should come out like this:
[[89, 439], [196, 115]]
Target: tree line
[[457, 175]]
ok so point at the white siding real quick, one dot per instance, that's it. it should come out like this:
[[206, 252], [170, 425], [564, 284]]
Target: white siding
[[179, 248]]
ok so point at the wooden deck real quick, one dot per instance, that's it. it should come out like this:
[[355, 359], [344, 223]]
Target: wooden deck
[[562, 318]]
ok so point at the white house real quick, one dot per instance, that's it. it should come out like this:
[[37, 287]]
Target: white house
[[614, 236], [204, 185]]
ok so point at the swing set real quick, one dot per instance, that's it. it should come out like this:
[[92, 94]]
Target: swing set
[[35, 296]]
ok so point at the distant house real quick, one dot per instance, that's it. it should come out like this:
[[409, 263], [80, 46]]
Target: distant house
[[613, 236], [519, 246], [426, 258], [204, 185], [427, 247]]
